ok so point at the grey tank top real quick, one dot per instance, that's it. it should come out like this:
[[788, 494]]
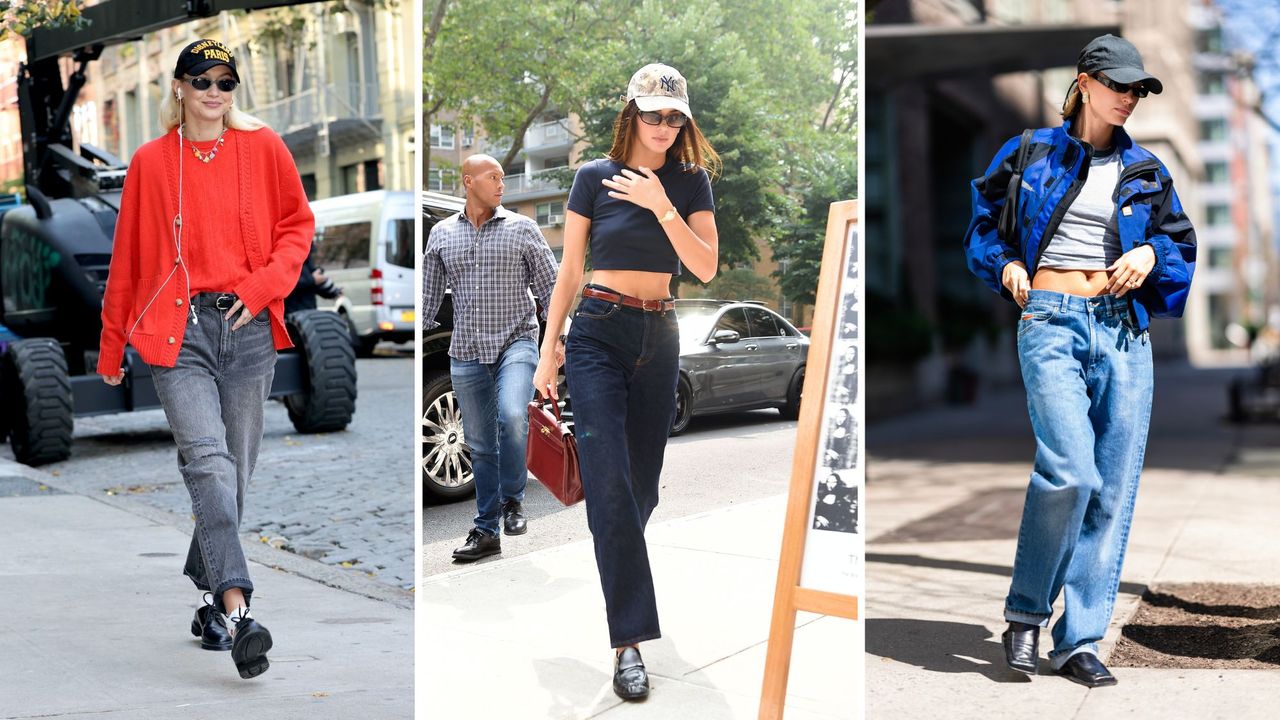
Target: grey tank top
[[1087, 238]]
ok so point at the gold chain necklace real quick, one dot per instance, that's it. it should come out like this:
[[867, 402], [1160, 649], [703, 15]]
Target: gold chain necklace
[[213, 152]]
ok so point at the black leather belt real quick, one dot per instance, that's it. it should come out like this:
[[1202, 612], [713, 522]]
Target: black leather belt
[[221, 301]]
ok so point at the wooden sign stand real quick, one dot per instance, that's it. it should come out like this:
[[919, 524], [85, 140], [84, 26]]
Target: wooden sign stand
[[789, 596]]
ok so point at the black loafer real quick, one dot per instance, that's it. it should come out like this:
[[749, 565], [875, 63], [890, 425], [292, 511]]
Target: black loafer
[[630, 680], [249, 648], [1085, 668], [513, 522], [1022, 647], [211, 628], [479, 544]]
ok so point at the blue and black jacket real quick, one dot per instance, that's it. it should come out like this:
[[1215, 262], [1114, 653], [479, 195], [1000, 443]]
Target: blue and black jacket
[[1147, 212]]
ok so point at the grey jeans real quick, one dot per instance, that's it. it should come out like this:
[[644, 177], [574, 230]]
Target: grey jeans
[[213, 398]]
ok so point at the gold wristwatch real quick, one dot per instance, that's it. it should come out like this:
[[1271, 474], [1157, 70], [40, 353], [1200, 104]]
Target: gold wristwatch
[[668, 216]]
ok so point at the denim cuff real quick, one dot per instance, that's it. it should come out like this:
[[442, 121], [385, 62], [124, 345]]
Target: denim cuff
[[1026, 618], [1059, 658]]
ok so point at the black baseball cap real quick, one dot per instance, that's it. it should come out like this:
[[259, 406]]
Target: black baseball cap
[[201, 55], [1119, 60]]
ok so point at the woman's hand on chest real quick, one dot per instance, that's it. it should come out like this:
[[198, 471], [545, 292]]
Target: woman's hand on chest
[[642, 188]]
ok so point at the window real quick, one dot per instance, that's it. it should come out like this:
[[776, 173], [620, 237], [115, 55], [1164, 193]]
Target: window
[[562, 161], [442, 180], [1218, 215], [442, 136], [763, 324], [309, 185], [1213, 129], [550, 213], [1209, 40], [400, 243], [1220, 257], [1216, 172], [343, 246], [735, 320], [468, 137], [1212, 83]]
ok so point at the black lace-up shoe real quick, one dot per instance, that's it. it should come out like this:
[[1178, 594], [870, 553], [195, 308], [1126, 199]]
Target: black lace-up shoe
[[630, 679], [513, 522], [479, 544], [1085, 668], [1022, 647], [211, 628], [249, 648]]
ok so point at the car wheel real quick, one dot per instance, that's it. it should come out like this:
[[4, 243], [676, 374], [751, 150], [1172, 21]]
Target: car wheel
[[446, 460], [791, 410], [684, 407], [37, 396], [328, 401]]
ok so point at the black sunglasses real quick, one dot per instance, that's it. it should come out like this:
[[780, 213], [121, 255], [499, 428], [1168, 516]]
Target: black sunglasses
[[1138, 88], [675, 119], [203, 83]]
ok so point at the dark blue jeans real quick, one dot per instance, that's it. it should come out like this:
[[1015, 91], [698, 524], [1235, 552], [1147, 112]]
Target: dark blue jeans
[[494, 400], [621, 365]]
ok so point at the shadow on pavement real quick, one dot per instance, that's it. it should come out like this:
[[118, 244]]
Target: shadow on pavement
[[941, 646], [963, 566]]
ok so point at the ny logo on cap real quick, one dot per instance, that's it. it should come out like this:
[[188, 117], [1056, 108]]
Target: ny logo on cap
[[668, 83]]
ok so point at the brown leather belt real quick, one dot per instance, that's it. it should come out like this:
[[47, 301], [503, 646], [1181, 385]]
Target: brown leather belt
[[629, 301]]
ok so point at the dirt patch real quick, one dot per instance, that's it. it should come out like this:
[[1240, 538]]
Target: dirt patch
[[1203, 625]]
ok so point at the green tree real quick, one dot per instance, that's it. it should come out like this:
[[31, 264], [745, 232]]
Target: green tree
[[20, 16], [739, 284]]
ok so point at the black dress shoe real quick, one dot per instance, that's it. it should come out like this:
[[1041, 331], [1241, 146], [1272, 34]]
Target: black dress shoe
[[249, 648], [1022, 647], [479, 544], [630, 680], [1085, 668], [513, 522], [211, 628]]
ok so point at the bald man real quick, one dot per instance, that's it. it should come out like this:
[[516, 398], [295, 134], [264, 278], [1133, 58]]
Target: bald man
[[491, 257]]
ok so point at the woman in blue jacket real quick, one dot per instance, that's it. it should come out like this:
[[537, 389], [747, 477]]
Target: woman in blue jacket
[[1092, 245]]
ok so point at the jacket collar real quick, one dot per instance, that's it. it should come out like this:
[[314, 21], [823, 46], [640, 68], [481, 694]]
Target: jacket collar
[[1124, 143]]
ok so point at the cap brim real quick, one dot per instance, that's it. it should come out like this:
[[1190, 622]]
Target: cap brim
[[649, 103], [1129, 75], [205, 66]]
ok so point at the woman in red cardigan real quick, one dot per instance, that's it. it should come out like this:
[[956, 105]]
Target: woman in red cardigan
[[213, 228]]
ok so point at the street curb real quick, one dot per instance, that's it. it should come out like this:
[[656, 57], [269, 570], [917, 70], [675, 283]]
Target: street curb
[[255, 551]]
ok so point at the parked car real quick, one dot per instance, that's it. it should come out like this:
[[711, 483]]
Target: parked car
[[446, 459], [737, 356], [364, 242]]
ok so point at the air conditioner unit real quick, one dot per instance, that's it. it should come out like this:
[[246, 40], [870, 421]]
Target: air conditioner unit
[[555, 220]]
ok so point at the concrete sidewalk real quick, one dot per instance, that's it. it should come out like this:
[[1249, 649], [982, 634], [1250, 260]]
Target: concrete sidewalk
[[945, 492], [96, 618], [527, 637]]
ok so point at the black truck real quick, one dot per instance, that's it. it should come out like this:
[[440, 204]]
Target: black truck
[[55, 252]]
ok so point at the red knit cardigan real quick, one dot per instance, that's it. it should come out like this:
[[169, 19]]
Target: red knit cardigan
[[276, 226]]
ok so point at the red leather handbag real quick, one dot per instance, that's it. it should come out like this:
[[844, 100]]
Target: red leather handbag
[[552, 453]]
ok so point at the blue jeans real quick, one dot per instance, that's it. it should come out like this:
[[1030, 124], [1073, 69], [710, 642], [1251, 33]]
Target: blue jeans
[[213, 398], [1087, 371], [621, 365], [494, 399]]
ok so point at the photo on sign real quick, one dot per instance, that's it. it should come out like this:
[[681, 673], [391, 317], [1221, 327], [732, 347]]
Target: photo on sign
[[837, 503]]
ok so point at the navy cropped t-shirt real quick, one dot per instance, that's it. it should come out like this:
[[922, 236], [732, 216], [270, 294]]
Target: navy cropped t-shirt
[[625, 236]]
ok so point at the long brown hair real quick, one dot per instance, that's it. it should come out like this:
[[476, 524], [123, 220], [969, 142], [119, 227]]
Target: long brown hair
[[690, 147]]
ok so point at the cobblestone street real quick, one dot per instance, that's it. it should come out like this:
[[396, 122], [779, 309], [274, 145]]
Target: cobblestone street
[[345, 499]]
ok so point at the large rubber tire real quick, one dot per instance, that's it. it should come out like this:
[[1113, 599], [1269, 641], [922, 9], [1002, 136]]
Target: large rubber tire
[[329, 363], [791, 410], [684, 407], [37, 400], [446, 460]]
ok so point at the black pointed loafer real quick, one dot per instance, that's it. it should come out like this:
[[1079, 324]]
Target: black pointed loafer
[[211, 628], [513, 522], [1085, 668], [630, 680], [479, 544], [1022, 647], [249, 648]]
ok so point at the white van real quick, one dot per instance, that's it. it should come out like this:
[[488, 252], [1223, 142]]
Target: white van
[[364, 242]]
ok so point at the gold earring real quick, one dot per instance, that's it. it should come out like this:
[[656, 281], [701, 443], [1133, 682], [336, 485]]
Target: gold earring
[[1085, 94]]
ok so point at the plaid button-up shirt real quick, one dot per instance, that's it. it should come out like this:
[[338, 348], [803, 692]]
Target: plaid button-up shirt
[[491, 270]]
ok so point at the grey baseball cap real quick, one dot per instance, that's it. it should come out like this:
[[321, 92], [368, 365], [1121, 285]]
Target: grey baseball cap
[[656, 87], [1119, 60]]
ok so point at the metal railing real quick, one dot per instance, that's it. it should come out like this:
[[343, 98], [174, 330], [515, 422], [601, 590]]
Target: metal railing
[[555, 132], [340, 101], [531, 182]]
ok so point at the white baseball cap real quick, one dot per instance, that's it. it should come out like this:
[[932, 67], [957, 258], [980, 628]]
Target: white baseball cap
[[657, 87]]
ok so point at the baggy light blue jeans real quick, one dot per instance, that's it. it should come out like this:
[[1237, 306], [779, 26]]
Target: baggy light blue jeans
[[213, 399], [1088, 377], [494, 399]]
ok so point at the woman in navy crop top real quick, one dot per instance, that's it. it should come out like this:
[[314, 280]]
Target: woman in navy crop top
[[644, 210]]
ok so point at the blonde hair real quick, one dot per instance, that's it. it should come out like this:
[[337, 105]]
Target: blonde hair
[[1071, 105], [236, 119]]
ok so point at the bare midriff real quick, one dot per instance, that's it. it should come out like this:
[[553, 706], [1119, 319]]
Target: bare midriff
[[1086, 283], [636, 283]]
